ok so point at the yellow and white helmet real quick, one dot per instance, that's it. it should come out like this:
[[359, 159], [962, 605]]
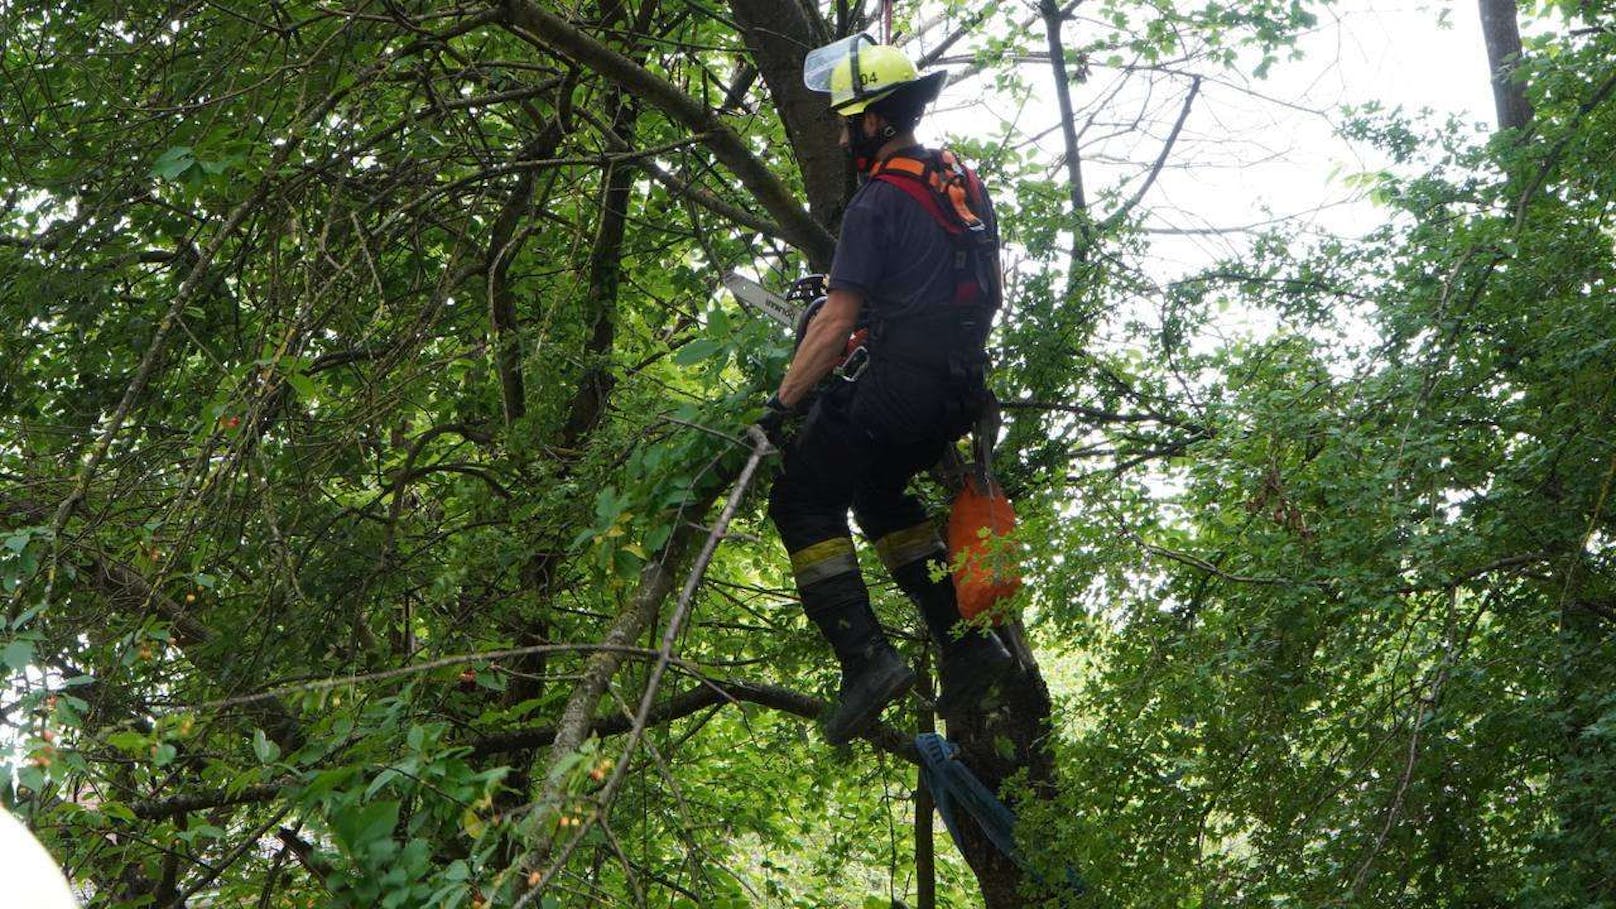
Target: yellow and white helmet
[[857, 72]]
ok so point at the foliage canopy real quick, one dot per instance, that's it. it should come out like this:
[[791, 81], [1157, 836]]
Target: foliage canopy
[[363, 376]]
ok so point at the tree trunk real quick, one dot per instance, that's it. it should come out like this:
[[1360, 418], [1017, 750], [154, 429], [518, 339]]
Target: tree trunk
[[779, 34], [1022, 721], [502, 250], [1501, 31]]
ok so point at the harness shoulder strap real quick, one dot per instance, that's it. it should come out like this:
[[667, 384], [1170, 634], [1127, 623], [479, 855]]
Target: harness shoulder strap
[[901, 164], [962, 188], [948, 190], [945, 189], [921, 193], [917, 178]]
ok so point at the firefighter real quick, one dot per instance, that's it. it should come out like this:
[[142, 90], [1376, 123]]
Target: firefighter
[[919, 269]]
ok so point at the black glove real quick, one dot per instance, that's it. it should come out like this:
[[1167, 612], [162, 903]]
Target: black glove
[[773, 421]]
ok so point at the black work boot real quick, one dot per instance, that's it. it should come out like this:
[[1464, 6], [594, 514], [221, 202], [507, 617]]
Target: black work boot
[[873, 674], [972, 661]]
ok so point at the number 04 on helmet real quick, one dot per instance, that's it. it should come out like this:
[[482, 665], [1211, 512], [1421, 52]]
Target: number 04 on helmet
[[856, 73]]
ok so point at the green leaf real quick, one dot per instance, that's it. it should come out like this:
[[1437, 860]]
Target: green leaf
[[697, 351], [173, 163], [130, 742], [608, 506], [19, 654], [266, 750], [356, 829], [1004, 747], [118, 810], [18, 541], [656, 536], [718, 321], [326, 783], [221, 165], [381, 781], [27, 615], [583, 538], [306, 388]]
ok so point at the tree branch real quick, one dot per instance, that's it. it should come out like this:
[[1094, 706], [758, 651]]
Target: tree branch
[[954, 37], [1063, 96], [154, 809], [526, 16], [1101, 416], [711, 693], [698, 194], [1117, 216]]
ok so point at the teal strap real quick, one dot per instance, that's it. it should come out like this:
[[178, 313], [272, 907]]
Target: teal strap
[[953, 786]]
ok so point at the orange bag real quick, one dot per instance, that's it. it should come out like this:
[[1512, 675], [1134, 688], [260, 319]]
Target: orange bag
[[987, 567]]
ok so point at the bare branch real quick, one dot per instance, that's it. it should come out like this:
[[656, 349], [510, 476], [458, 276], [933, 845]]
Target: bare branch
[[581, 707], [1063, 97], [152, 809], [1121, 213], [557, 33]]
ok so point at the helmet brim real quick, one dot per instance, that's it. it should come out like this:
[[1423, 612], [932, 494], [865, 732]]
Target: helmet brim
[[927, 87]]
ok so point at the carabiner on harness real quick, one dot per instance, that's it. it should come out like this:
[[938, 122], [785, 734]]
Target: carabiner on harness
[[854, 364]]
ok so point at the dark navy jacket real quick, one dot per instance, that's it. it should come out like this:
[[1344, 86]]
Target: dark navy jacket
[[894, 252]]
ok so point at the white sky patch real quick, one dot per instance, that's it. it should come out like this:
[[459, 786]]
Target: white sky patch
[[1255, 151]]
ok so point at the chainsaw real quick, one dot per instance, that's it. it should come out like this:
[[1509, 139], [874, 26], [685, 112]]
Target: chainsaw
[[795, 310]]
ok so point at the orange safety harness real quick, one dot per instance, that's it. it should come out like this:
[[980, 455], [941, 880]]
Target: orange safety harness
[[951, 193]]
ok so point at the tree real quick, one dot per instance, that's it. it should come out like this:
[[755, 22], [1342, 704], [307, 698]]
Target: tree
[[368, 407], [1367, 648], [1500, 30]]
